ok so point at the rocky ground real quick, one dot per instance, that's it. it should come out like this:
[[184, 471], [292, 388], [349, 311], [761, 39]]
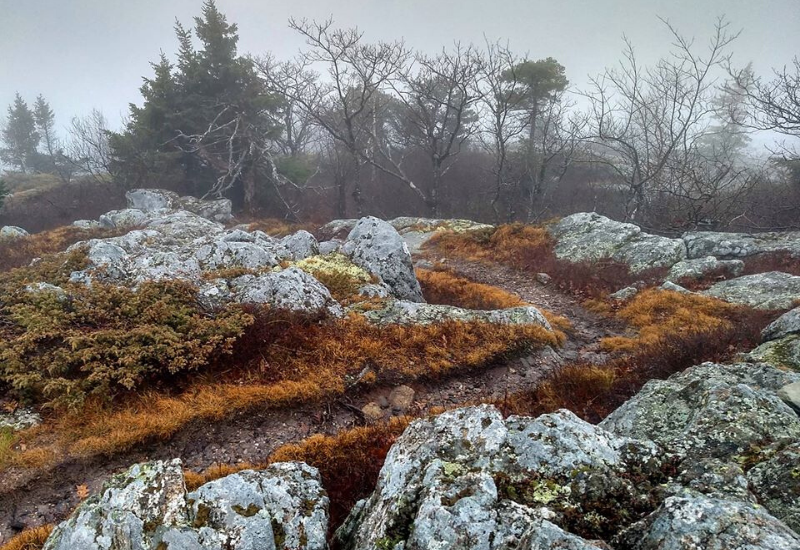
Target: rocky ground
[[706, 459]]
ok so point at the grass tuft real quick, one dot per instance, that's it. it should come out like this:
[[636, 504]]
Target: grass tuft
[[29, 539]]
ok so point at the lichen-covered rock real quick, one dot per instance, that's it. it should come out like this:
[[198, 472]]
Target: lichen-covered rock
[[377, 247], [450, 482], [776, 483], [283, 507], [711, 410], [624, 293], [19, 419], [146, 508], [46, 288], [786, 324], [698, 268], [700, 244], [771, 290], [151, 200], [12, 232], [218, 210], [711, 477], [329, 247], [301, 245], [130, 217], [587, 236], [672, 287], [409, 313], [337, 229], [86, 224], [708, 524], [291, 289], [784, 352], [224, 254]]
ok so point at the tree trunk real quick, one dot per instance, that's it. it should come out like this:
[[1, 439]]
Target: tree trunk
[[357, 197], [249, 183]]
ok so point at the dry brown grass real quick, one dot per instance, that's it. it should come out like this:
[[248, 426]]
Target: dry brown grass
[[531, 249], [348, 462], [282, 360], [20, 252], [670, 339], [29, 539], [443, 287]]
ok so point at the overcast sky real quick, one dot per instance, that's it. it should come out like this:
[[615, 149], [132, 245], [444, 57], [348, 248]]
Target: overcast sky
[[82, 54]]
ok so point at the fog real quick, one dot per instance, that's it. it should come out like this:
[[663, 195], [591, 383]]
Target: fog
[[84, 54]]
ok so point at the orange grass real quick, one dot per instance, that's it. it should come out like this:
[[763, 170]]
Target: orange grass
[[279, 228], [443, 287], [29, 539], [279, 362]]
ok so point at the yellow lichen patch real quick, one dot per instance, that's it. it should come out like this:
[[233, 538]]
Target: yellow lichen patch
[[29, 539], [342, 277]]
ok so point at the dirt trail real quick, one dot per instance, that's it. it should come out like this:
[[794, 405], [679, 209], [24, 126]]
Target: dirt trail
[[29, 499]]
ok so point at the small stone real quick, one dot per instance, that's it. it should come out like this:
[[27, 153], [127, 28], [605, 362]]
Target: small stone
[[790, 394], [372, 411], [625, 293], [401, 398], [383, 402], [543, 278]]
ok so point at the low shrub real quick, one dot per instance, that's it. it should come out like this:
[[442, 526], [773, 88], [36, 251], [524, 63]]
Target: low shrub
[[29, 539], [104, 339], [278, 228], [772, 261]]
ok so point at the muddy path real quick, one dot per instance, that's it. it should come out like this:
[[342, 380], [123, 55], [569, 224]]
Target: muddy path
[[30, 498]]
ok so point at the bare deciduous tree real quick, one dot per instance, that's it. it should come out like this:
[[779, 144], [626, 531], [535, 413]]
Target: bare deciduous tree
[[640, 116]]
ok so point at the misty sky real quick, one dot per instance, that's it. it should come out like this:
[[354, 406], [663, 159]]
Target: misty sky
[[92, 53]]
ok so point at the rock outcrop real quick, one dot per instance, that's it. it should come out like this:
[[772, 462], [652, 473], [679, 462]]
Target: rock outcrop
[[376, 246], [700, 244], [588, 237], [12, 232], [771, 290], [412, 313], [282, 507], [699, 268]]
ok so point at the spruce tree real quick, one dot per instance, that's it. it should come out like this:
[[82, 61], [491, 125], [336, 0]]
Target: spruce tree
[[19, 136]]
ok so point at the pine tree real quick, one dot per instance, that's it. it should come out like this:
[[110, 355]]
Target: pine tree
[[19, 136]]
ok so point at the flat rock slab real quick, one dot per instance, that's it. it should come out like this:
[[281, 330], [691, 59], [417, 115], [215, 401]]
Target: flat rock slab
[[700, 244], [771, 290]]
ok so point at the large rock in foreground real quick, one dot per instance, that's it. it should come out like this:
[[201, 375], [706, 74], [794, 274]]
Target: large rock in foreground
[[771, 290], [740, 245], [469, 479], [147, 508], [589, 237], [376, 246]]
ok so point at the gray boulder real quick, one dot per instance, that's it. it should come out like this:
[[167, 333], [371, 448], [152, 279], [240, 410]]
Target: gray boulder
[[624, 293], [700, 244], [451, 482], [152, 200], [130, 217], [337, 229], [291, 289], [783, 352], [587, 236], [403, 312], [375, 246], [786, 324], [86, 224], [218, 210], [698, 268], [771, 290], [708, 524], [301, 245], [224, 254], [282, 507], [790, 394], [329, 247], [12, 232], [711, 411], [672, 287]]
